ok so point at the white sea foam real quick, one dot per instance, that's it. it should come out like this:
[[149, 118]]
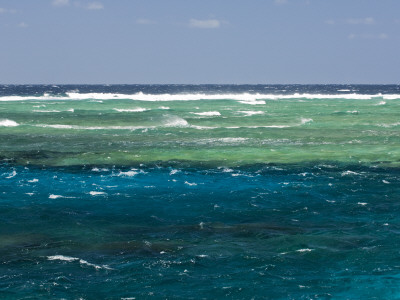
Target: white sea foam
[[62, 257], [346, 173], [305, 121], [84, 262], [381, 103], [175, 121], [139, 109], [100, 170], [46, 111], [8, 123], [304, 250], [245, 98], [173, 172], [389, 125], [203, 127], [190, 183], [232, 140], [33, 180], [58, 126], [253, 102], [95, 193], [208, 113], [130, 173], [76, 127], [52, 196], [81, 261], [12, 174]]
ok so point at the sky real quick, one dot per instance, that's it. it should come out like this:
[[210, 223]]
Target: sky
[[200, 41]]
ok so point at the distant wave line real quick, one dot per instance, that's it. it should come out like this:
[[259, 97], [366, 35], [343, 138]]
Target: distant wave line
[[246, 98]]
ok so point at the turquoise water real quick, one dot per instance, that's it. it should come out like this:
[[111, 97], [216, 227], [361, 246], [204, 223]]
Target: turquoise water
[[188, 192]]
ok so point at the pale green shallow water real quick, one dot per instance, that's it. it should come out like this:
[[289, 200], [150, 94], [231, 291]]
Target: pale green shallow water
[[216, 132]]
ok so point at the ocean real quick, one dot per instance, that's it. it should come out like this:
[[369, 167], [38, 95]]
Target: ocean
[[199, 191]]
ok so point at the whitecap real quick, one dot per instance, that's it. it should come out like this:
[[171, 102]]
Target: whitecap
[[33, 180], [208, 113], [175, 121], [52, 196], [362, 203], [345, 173], [84, 262], [139, 109], [77, 127], [389, 125], [245, 98], [202, 127], [95, 193], [306, 121], [232, 140], [46, 111], [305, 250], [12, 174], [62, 257], [8, 123], [252, 102], [190, 183], [57, 126], [173, 171], [130, 173], [81, 261], [100, 170]]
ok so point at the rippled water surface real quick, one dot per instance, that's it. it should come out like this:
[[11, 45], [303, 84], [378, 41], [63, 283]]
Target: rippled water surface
[[188, 192]]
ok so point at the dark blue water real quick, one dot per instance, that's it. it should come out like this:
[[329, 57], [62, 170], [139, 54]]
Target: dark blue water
[[265, 232], [281, 89]]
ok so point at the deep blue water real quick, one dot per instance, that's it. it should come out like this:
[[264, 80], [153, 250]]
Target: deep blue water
[[282, 89], [263, 232], [181, 230]]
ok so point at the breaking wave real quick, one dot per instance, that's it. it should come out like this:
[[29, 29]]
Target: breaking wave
[[245, 98]]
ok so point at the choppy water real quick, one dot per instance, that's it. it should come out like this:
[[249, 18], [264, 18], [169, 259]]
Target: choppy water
[[271, 192]]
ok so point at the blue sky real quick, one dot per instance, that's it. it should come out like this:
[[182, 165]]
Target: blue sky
[[199, 41]]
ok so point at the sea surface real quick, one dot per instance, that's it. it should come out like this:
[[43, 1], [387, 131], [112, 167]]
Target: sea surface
[[200, 192]]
